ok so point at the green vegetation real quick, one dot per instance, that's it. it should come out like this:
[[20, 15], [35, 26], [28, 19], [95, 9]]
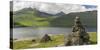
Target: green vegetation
[[93, 37], [32, 17], [57, 40], [28, 17], [88, 18], [22, 44]]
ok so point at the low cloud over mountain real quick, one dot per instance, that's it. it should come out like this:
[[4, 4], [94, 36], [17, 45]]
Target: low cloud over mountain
[[53, 8]]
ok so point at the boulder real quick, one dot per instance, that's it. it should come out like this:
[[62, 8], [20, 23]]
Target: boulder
[[45, 38]]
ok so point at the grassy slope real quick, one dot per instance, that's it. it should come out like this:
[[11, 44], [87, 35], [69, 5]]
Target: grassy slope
[[30, 17], [87, 18], [57, 40]]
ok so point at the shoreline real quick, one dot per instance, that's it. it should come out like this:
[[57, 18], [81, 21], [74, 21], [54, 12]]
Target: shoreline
[[31, 38]]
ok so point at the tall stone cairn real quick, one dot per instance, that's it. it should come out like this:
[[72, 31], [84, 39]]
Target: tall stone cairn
[[79, 35]]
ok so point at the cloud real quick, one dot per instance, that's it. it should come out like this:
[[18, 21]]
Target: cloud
[[52, 8]]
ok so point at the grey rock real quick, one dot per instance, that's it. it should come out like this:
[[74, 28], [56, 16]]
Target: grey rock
[[79, 36], [46, 38]]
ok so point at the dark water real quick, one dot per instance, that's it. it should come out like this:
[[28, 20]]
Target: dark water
[[28, 32]]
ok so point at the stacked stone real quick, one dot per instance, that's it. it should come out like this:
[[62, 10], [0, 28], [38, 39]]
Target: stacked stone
[[46, 38], [79, 36]]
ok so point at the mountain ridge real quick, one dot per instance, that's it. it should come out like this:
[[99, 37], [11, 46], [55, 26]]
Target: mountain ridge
[[33, 17]]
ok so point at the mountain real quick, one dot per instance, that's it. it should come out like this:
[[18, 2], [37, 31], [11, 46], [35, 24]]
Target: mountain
[[23, 11], [36, 18], [43, 14], [29, 17], [60, 14], [88, 18]]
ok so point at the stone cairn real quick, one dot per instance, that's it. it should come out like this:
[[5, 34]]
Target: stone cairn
[[79, 35], [46, 38]]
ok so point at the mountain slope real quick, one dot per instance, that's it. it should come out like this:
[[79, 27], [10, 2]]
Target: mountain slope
[[88, 18], [33, 17]]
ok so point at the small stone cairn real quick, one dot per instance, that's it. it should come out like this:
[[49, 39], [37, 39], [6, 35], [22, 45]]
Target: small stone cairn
[[46, 38]]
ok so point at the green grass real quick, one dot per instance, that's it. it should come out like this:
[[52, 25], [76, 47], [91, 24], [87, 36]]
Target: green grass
[[93, 37], [34, 23], [31, 21], [56, 41], [22, 44]]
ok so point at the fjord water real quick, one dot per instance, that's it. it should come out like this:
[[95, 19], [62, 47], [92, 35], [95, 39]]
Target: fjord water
[[29, 32]]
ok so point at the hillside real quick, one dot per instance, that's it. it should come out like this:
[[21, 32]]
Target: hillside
[[29, 17], [35, 18], [88, 18]]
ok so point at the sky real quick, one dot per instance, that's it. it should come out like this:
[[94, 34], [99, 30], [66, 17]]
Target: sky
[[53, 8]]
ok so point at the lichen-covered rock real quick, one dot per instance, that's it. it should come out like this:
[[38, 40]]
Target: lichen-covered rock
[[79, 36], [45, 38]]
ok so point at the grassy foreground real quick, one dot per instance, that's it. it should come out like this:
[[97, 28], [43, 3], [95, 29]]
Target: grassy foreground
[[58, 40], [93, 37]]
